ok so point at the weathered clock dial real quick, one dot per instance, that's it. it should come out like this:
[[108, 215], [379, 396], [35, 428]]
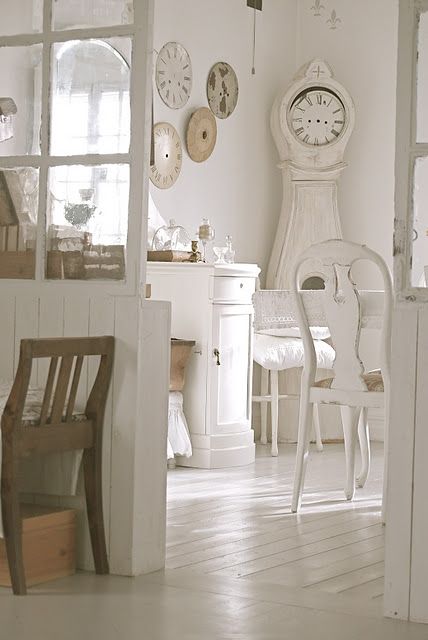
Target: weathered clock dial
[[167, 155], [174, 75], [317, 116]]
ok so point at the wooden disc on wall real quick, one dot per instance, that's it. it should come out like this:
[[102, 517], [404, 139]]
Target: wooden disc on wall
[[201, 134]]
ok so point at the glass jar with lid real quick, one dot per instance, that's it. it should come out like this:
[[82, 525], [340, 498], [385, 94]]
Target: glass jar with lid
[[171, 237]]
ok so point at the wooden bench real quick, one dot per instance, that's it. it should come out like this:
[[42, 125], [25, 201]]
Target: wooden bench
[[56, 429]]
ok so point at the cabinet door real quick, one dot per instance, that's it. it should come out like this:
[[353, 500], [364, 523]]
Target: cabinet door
[[230, 374]]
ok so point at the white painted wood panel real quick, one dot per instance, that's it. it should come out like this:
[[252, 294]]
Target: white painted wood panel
[[398, 534], [149, 512], [123, 434], [419, 555]]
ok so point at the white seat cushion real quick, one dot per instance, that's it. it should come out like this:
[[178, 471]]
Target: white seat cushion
[[285, 353]]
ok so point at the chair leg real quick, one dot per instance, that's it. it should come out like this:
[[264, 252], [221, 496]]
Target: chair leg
[[94, 504], [264, 390], [305, 424], [317, 427], [12, 522], [350, 417], [274, 410], [363, 436]]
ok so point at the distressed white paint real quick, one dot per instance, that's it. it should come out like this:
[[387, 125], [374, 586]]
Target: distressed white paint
[[407, 518], [309, 211]]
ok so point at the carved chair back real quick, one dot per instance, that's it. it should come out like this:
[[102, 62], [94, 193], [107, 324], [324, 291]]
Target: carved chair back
[[341, 308]]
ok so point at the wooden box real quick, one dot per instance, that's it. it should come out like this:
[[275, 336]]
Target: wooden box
[[17, 264], [49, 544], [181, 351]]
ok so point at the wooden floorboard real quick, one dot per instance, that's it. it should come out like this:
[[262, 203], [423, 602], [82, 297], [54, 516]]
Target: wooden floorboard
[[236, 524]]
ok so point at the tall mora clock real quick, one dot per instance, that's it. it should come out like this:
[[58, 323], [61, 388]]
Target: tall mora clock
[[311, 123]]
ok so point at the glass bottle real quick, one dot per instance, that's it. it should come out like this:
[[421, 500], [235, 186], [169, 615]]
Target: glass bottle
[[229, 255], [205, 234]]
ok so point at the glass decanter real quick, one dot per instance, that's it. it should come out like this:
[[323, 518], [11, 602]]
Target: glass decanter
[[229, 254], [206, 234]]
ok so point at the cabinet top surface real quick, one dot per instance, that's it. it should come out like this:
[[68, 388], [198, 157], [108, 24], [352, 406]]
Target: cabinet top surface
[[236, 269]]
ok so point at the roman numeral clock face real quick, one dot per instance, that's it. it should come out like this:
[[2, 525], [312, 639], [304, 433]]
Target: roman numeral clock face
[[167, 155], [174, 75], [317, 116]]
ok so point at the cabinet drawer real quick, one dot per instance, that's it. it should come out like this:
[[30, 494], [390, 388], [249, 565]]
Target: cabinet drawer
[[233, 289]]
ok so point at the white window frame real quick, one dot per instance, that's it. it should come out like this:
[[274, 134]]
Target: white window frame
[[408, 150], [137, 158]]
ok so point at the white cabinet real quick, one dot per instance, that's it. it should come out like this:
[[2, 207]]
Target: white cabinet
[[212, 305]]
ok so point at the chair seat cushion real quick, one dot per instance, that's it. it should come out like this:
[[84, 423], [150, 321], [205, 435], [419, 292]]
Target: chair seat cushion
[[278, 354], [373, 380], [33, 405]]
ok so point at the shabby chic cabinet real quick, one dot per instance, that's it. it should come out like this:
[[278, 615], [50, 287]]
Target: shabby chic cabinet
[[212, 305]]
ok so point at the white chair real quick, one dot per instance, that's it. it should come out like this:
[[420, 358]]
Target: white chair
[[351, 387], [279, 347]]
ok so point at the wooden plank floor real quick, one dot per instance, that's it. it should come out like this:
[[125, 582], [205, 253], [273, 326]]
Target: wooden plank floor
[[236, 523]]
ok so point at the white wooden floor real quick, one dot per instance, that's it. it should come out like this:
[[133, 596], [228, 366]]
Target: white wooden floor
[[236, 523], [241, 567]]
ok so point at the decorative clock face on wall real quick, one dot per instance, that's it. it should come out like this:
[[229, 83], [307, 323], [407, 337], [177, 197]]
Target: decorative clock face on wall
[[222, 90], [174, 75], [167, 155], [317, 116]]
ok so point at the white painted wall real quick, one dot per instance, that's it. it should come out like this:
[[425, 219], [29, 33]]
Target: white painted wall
[[238, 187]]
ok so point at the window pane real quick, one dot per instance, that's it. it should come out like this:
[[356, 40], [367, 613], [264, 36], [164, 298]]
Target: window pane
[[25, 16], [420, 224], [90, 97], [20, 101], [87, 221], [19, 189], [422, 80], [68, 14]]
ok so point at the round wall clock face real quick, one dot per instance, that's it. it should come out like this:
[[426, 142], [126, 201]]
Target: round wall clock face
[[201, 134], [174, 75], [317, 116], [167, 155], [222, 90]]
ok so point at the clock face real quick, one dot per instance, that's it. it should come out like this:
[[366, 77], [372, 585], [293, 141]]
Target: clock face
[[167, 155], [222, 90], [317, 116], [174, 75]]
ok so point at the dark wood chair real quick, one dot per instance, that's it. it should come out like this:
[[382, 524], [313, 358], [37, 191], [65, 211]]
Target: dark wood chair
[[56, 430]]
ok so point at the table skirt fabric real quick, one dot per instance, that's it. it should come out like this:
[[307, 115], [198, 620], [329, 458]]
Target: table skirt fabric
[[178, 431]]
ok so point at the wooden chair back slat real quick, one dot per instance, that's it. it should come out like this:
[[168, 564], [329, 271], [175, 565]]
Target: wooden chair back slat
[[48, 391], [74, 387], [61, 389]]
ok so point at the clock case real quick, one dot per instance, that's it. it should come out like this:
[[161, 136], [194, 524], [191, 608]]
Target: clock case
[[309, 211], [316, 73]]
